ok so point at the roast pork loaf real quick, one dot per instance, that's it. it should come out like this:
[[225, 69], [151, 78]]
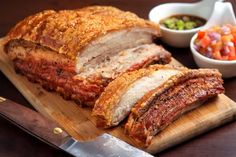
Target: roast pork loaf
[[78, 52], [154, 97]]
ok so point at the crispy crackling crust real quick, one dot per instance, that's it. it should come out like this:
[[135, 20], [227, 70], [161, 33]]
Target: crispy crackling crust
[[69, 31]]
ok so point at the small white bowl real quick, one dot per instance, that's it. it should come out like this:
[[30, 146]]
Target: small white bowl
[[226, 68], [223, 14], [180, 38]]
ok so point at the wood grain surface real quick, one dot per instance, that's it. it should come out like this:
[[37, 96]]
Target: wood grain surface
[[78, 122]]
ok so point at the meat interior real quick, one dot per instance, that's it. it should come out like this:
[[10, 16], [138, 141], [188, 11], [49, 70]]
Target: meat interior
[[110, 65], [113, 43], [172, 103], [138, 89]]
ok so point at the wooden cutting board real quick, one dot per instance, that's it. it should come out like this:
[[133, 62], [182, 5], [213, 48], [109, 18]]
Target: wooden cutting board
[[78, 122]]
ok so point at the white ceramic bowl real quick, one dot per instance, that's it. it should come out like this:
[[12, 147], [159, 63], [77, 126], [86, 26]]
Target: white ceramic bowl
[[226, 14], [180, 38], [227, 68]]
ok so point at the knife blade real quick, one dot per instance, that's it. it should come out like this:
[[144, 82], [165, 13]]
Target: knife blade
[[50, 132]]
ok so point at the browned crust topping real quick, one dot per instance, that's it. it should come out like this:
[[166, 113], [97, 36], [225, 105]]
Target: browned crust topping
[[69, 31]]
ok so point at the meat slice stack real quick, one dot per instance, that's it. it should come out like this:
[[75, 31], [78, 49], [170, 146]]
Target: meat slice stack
[[78, 52], [154, 97]]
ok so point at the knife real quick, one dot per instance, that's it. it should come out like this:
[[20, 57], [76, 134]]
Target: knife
[[50, 132]]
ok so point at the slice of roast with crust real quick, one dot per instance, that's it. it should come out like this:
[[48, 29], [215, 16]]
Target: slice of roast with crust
[[78, 52], [114, 42], [109, 66], [160, 107]]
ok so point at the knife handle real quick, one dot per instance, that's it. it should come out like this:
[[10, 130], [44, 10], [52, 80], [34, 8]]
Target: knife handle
[[32, 122]]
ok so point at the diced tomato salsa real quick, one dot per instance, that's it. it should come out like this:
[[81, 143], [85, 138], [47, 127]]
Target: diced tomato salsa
[[217, 42]]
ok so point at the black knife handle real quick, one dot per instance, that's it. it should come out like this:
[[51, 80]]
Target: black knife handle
[[32, 122]]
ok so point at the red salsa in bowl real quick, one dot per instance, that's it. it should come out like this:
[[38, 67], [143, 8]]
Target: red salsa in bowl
[[217, 42]]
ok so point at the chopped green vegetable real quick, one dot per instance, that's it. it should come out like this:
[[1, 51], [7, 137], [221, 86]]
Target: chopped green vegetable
[[183, 22], [180, 24], [190, 25], [168, 21]]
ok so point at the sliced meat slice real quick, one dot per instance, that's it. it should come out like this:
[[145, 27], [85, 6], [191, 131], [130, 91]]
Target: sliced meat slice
[[109, 66], [121, 94], [160, 107], [114, 42]]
